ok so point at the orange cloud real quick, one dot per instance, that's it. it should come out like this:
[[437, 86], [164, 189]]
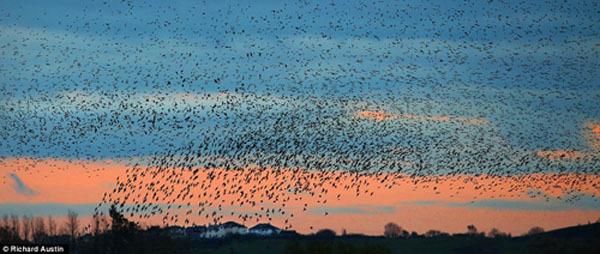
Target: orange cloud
[[591, 133], [382, 116], [596, 129], [594, 135], [85, 182], [374, 115], [59, 181], [563, 155]]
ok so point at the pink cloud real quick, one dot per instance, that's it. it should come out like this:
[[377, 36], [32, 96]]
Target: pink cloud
[[383, 116]]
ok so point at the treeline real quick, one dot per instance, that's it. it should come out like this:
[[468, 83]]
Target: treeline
[[578, 239], [43, 229], [33, 229], [116, 234], [112, 234]]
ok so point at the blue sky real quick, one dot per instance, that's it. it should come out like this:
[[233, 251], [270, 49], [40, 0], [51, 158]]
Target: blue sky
[[281, 84], [530, 67]]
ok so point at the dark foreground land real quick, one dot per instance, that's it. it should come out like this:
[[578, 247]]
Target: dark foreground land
[[577, 239]]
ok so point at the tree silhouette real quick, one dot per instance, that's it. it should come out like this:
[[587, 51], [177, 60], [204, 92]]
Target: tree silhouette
[[72, 225], [39, 232], [99, 224], [26, 226], [472, 230], [392, 230], [434, 233], [496, 233], [15, 226], [123, 232], [119, 222], [535, 230], [51, 226], [325, 233]]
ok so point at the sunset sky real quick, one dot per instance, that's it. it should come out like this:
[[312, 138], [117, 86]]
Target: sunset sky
[[477, 113]]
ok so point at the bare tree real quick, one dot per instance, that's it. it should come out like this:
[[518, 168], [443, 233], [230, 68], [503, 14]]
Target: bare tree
[[472, 230], [72, 224], [435, 233], [99, 224], [392, 230], [535, 230], [496, 233], [51, 226], [31, 226], [5, 221], [26, 226], [5, 231], [15, 226], [39, 230]]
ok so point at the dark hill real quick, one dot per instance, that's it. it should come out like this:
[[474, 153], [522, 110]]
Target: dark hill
[[580, 231]]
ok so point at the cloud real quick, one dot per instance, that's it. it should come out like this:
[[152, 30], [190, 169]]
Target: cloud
[[563, 155], [43, 209], [353, 209], [584, 202], [383, 116], [20, 187], [94, 102], [593, 135], [595, 129]]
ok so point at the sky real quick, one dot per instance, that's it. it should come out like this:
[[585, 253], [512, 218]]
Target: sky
[[437, 90]]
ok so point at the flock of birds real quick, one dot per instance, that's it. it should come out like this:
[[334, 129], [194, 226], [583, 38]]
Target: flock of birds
[[252, 105]]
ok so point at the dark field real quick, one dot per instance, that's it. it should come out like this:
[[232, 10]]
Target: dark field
[[581, 239]]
